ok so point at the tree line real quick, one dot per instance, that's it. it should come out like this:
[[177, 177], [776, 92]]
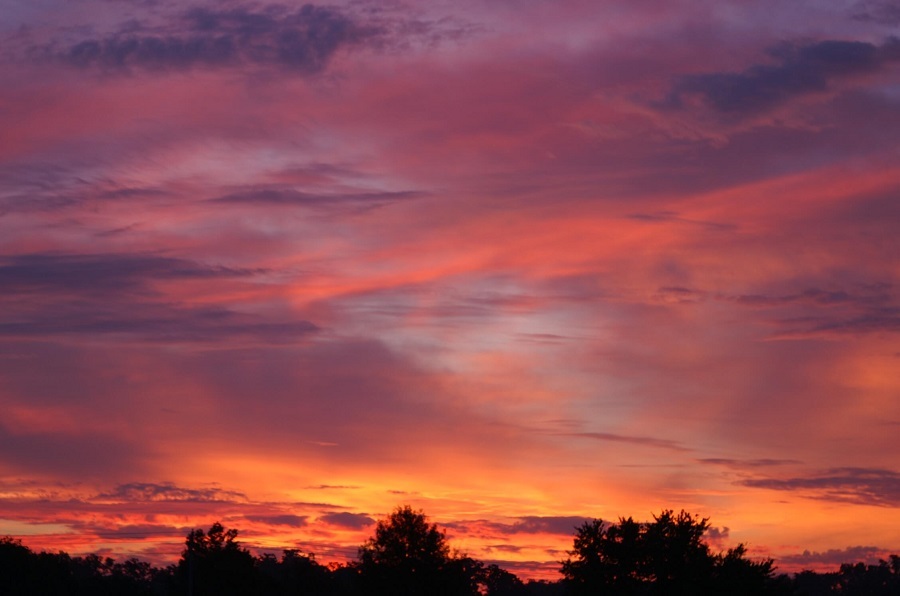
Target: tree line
[[408, 556]]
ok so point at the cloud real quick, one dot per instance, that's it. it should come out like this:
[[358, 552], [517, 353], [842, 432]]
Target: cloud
[[167, 491], [131, 531], [336, 343], [886, 12], [673, 217], [291, 197], [131, 193], [344, 519], [642, 441], [834, 557], [41, 185], [301, 41], [117, 295], [532, 524], [158, 323], [812, 296], [88, 454], [862, 486], [549, 570], [137, 516], [503, 548], [747, 463], [814, 311], [717, 536], [559, 524], [876, 321], [799, 69], [679, 295], [293, 521], [100, 273]]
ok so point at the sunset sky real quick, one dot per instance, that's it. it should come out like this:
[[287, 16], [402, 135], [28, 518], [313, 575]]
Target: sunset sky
[[516, 263]]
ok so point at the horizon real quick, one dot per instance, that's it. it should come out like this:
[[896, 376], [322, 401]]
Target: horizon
[[515, 264], [525, 570]]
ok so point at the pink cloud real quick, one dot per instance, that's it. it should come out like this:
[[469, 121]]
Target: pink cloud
[[539, 263]]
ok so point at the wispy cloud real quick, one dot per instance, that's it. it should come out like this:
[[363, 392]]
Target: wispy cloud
[[656, 443], [167, 491], [345, 519], [877, 11], [292, 197], [158, 322], [114, 294], [672, 217], [798, 69], [747, 464], [833, 557], [70, 455], [293, 521], [863, 486], [301, 41], [543, 524], [87, 273]]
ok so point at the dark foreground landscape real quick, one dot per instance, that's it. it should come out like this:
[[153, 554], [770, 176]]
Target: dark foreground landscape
[[407, 556]]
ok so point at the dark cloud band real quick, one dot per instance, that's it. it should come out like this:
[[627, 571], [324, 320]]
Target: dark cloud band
[[797, 70], [302, 41]]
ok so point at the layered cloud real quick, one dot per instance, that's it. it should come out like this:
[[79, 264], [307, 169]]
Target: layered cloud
[[798, 69], [345, 519], [303, 41], [114, 294], [833, 558], [855, 485], [286, 267], [148, 491]]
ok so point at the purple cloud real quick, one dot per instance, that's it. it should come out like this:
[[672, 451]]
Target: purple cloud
[[799, 69], [301, 41], [293, 521], [834, 557], [864, 486], [345, 519], [167, 491]]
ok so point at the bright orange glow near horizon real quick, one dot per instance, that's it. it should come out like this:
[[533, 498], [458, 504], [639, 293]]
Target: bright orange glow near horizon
[[517, 265]]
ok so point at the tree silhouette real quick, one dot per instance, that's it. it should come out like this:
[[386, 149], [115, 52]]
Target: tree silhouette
[[665, 556], [860, 579], [410, 557], [17, 567], [500, 582], [606, 558], [297, 574], [677, 560], [736, 575], [214, 563]]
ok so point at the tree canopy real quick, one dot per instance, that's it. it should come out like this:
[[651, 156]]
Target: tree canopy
[[407, 556], [666, 556], [214, 563], [406, 540]]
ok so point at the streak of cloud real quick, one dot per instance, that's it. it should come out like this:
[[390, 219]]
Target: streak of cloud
[[799, 69], [517, 265], [867, 486], [302, 41]]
